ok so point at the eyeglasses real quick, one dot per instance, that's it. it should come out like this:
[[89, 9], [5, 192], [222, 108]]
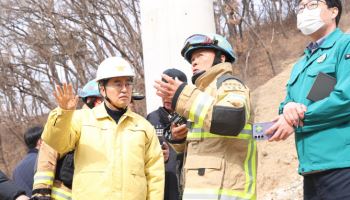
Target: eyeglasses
[[198, 40], [310, 5], [120, 85]]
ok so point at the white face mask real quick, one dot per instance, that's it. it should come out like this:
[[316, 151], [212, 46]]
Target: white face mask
[[309, 21]]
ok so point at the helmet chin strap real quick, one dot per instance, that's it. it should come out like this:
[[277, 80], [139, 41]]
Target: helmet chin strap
[[196, 75], [217, 58]]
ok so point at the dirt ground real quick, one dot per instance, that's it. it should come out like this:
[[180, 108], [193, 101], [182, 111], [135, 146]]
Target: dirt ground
[[277, 161]]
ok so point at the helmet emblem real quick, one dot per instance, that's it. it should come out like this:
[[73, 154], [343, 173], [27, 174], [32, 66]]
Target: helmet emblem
[[120, 68]]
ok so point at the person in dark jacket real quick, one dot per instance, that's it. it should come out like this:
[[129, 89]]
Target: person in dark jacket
[[162, 120], [10, 191], [23, 175]]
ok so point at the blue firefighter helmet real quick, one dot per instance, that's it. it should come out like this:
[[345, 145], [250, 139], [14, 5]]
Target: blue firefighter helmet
[[208, 41], [90, 90]]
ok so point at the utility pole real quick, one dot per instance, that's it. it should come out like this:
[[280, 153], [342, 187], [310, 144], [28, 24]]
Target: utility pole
[[165, 24]]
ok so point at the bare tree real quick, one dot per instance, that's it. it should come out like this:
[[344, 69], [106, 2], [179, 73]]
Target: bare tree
[[62, 41], [46, 42], [246, 22]]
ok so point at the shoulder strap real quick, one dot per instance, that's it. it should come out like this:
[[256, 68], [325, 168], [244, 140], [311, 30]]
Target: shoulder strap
[[226, 77]]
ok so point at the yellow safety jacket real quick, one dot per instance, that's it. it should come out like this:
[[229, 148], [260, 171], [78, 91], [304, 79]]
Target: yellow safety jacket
[[218, 166], [112, 161], [44, 178]]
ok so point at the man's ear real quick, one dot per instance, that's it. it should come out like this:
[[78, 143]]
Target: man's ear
[[99, 100], [335, 12], [102, 90], [38, 143], [223, 58]]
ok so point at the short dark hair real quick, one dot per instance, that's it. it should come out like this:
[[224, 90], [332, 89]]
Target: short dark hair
[[175, 73], [32, 135], [103, 82], [337, 4]]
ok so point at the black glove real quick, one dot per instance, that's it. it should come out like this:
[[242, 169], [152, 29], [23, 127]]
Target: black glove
[[41, 194]]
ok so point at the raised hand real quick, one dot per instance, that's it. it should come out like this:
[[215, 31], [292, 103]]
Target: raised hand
[[167, 89], [65, 97]]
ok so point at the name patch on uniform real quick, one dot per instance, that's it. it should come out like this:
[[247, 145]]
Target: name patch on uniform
[[347, 56], [322, 58]]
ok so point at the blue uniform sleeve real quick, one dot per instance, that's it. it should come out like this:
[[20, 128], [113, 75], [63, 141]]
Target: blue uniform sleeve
[[335, 109]]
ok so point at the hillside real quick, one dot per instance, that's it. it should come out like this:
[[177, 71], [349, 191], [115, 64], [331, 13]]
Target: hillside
[[277, 161]]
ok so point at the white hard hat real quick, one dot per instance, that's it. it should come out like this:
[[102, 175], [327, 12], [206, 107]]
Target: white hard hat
[[114, 67]]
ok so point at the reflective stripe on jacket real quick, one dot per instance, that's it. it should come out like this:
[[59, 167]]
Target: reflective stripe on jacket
[[60, 192], [112, 161], [44, 177], [217, 166]]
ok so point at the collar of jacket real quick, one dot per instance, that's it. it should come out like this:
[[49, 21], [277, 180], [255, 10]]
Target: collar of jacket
[[101, 112], [328, 42], [33, 150], [212, 73], [309, 58]]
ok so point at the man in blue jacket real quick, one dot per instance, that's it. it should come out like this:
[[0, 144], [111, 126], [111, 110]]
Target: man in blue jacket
[[23, 175], [321, 124], [161, 120], [10, 191]]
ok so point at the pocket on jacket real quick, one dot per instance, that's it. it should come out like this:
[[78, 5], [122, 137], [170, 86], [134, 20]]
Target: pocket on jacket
[[293, 77], [137, 180], [204, 172]]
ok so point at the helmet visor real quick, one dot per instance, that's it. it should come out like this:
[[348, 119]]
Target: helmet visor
[[198, 40]]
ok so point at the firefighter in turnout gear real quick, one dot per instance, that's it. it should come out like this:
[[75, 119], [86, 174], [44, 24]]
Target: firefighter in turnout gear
[[54, 175], [221, 153]]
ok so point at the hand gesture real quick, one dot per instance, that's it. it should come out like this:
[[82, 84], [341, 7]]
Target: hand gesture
[[166, 90], [65, 97], [178, 132]]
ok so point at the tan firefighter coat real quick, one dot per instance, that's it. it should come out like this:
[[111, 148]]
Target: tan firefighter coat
[[218, 166], [44, 178]]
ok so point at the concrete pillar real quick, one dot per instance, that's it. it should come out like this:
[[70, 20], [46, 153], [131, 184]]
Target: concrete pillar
[[165, 24]]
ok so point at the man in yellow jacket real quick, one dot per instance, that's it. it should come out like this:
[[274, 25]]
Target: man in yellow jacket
[[221, 153], [117, 153]]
